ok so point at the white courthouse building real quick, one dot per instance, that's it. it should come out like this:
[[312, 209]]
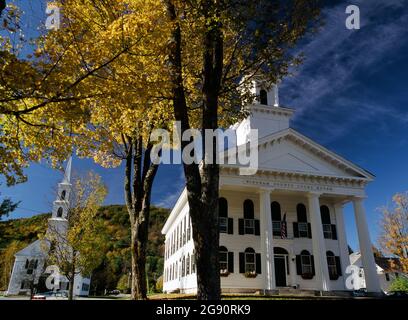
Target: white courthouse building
[[282, 228], [29, 270]]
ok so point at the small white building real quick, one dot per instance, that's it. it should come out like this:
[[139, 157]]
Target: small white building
[[387, 271], [282, 227], [30, 263]]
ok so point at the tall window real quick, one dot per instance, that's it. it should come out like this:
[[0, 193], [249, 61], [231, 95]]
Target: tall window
[[327, 226], [249, 223], [333, 264], [223, 259], [63, 194], [301, 228], [193, 262], [59, 212], [31, 265], [263, 97], [188, 265], [250, 262], [184, 232], [305, 265], [188, 228], [223, 215], [276, 218]]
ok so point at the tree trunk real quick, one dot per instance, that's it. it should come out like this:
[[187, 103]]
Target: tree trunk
[[139, 235], [137, 196], [71, 277], [202, 185]]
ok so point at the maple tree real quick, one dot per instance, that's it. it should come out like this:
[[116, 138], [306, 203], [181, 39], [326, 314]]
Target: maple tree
[[80, 248], [124, 102], [117, 70], [393, 237]]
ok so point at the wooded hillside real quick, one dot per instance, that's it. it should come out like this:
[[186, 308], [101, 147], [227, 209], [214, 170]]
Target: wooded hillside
[[113, 272]]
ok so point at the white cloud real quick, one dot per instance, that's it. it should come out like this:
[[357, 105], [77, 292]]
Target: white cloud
[[336, 55]]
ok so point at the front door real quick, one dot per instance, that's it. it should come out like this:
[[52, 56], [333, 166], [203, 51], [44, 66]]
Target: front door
[[280, 270]]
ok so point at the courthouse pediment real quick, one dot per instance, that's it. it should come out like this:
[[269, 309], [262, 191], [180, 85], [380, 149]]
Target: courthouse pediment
[[290, 151]]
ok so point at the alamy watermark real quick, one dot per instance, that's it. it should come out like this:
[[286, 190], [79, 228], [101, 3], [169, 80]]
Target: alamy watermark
[[53, 20], [54, 279], [353, 20], [211, 146]]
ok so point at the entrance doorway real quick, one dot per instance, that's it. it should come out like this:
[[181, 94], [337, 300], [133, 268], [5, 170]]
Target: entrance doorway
[[281, 266]]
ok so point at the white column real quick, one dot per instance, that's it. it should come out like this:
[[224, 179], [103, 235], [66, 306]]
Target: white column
[[266, 239], [319, 246], [367, 257], [342, 238]]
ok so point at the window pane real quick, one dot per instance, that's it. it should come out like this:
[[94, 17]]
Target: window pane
[[223, 256], [250, 257]]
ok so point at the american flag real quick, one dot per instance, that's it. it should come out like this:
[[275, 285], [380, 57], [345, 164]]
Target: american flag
[[283, 227]]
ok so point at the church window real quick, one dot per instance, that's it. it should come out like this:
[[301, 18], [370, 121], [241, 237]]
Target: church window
[[63, 194], [32, 265], [59, 212], [263, 97], [25, 284]]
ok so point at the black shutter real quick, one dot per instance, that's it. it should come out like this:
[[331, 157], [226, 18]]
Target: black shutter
[[35, 264], [257, 228], [298, 265], [241, 229], [241, 262], [313, 265], [334, 232], [26, 264], [258, 263], [231, 262], [230, 226], [309, 230], [295, 230], [338, 265]]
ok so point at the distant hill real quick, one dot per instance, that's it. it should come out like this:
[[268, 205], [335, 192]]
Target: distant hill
[[115, 269]]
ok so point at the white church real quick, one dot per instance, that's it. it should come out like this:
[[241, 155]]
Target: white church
[[283, 228], [29, 270]]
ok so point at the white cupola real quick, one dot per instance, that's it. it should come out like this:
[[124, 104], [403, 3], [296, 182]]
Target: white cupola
[[265, 114]]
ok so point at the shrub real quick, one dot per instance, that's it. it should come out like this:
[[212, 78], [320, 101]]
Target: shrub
[[399, 284]]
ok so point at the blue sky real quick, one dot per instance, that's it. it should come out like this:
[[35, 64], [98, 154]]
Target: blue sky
[[350, 95]]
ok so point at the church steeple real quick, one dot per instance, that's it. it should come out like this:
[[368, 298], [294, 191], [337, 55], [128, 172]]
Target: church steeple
[[59, 218], [67, 173]]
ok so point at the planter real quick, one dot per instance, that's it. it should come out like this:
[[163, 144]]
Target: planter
[[250, 274], [224, 273], [307, 276]]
